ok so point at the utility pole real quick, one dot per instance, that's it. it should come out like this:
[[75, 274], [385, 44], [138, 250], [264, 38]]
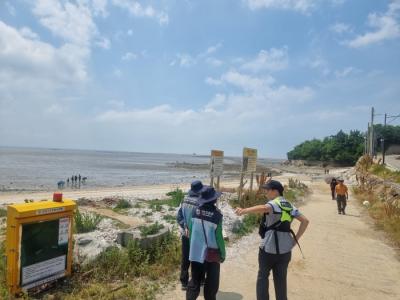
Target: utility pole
[[371, 137], [383, 141]]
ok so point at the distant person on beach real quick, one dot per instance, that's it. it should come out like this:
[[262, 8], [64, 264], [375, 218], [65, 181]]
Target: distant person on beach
[[333, 188], [342, 196], [68, 181], [184, 217], [79, 178], [277, 239], [207, 246]]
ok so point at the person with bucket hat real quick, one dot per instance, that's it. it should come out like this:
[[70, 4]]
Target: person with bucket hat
[[277, 239], [207, 246], [184, 217]]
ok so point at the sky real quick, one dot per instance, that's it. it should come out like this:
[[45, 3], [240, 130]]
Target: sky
[[185, 76]]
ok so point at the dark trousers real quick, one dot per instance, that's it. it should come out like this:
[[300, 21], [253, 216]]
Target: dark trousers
[[185, 262], [211, 286], [278, 263], [341, 203], [333, 194]]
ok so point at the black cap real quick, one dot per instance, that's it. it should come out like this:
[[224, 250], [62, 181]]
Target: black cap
[[274, 185]]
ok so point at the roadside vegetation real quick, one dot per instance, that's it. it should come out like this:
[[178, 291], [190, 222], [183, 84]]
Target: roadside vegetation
[[381, 199], [86, 222], [384, 173]]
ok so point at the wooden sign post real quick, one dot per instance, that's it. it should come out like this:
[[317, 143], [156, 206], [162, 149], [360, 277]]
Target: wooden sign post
[[216, 166], [249, 166]]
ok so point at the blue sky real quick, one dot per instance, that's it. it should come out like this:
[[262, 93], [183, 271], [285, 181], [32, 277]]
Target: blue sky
[[190, 76]]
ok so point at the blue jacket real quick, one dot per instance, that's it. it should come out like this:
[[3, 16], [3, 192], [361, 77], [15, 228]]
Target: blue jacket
[[212, 219], [185, 212]]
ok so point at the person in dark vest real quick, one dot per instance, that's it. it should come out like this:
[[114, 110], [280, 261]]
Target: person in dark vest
[[277, 239], [333, 188], [184, 217], [207, 246]]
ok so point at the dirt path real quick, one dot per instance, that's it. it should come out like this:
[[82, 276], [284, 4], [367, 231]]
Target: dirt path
[[345, 259]]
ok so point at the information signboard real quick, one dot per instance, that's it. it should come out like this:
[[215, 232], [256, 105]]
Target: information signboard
[[39, 243], [217, 163], [249, 162]]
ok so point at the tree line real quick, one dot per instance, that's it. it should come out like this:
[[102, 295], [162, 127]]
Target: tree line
[[343, 148]]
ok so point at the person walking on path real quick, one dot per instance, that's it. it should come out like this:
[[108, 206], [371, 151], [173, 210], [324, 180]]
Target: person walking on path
[[207, 246], [277, 239], [333, 188], [342, 196], [184, 217]]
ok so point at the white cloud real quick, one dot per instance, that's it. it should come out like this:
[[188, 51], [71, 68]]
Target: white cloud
[[188, 60], [341, 28], [10, 8], [24, 56], [71, 22], [386, 26], [321, 64], [103, 43], [129, 32], [213, 81], [303, 6], [129, 56], [28, 33], [272, 60], [212, 61], [117, 72], [138, 10], [346, 72], [100, 7]]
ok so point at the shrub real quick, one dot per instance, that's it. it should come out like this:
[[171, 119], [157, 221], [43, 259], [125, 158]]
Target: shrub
[[123, 204], [3, 284], [86, 222], [248, 224], [3, 213], [150, 229]]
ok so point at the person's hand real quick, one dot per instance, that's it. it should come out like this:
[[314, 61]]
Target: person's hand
[[240, 211]]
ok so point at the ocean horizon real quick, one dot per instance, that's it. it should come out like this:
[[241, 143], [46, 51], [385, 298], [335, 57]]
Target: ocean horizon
[[39, 169]]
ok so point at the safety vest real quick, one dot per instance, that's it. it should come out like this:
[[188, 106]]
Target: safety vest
[[282, 225]]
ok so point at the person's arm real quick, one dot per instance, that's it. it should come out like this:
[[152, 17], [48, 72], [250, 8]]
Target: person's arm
[[303, 225], [220, 241], [347, 193], [180, 219], [254, 210]]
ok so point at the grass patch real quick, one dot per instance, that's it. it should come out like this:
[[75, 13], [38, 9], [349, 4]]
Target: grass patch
[[86, 222], [127, 273], [150, 229], [174, 199], [249, 223], [386, 213], [123, 204], [3, 283], [3, 212], [385, 173], [169, 218]]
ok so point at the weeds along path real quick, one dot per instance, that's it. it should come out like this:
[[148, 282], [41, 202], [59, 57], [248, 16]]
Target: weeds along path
[[345, 259], [128, 220]]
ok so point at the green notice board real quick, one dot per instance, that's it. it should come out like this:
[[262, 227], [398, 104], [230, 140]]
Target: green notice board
[[44, 250]]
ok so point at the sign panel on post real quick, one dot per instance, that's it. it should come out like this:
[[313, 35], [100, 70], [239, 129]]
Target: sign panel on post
[[217, 163], [249, 164]]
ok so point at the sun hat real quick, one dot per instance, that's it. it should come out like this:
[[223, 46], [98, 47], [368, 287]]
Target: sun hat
[[208, 195]]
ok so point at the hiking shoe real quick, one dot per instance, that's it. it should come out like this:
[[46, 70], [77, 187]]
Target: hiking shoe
[[184, 287], [343, 213], [339, 212]]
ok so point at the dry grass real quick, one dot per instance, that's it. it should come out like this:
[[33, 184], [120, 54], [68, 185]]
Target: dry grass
[[384, 210]]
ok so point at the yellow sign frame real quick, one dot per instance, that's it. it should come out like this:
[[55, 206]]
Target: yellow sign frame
[[35, 212]]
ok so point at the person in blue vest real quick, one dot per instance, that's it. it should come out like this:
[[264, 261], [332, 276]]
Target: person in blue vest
[[277, 239], [207, 246], [183, 218]]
